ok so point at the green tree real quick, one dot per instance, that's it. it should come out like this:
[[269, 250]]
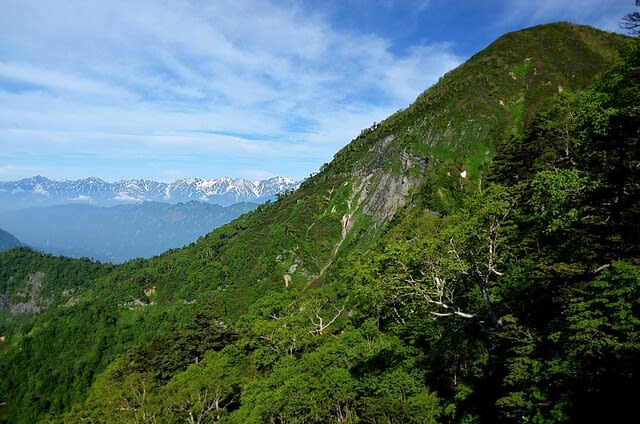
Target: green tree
[[206, 391]]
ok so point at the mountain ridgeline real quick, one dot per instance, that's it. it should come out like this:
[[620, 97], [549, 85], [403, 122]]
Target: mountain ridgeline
[[8, 241], [472, 258], [39, 191]]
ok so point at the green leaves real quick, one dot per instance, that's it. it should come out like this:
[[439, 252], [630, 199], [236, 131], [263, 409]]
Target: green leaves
[[554, 196], [208, 390], [604, 317]]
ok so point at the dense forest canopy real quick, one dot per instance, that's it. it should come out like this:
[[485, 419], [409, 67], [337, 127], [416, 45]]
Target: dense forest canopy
[[501, 284]]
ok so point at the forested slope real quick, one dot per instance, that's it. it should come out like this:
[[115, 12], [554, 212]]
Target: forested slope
[[471, 258]]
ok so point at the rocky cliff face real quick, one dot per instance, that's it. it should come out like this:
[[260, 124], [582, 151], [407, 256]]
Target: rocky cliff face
[[27, 299], [386, 190]]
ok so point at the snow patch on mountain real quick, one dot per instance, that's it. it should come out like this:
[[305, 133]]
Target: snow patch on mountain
[[224, 191], [39, 190]]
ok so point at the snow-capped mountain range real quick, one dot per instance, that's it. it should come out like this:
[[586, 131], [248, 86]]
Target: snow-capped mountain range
[[41, 191]]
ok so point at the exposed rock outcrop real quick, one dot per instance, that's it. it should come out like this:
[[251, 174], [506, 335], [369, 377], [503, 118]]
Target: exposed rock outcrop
[[386, 190], [31, 295]]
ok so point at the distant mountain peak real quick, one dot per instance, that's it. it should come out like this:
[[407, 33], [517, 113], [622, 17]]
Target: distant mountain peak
[[41, 191]]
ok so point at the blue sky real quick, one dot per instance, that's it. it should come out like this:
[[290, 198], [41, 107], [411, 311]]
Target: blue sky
[[253, 89]]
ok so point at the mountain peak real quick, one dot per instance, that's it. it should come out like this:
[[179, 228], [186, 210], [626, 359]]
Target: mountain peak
[[41, 191]]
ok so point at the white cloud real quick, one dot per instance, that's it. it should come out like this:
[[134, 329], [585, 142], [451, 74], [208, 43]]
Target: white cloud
[[49, 79], [266, 80], [82, 198], [125, 198]]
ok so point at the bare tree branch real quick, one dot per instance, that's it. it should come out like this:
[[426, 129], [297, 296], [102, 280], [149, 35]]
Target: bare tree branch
[[320, 326]]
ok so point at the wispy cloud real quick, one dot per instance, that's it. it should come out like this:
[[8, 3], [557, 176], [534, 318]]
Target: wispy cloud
[[246, 88], [148, 78]]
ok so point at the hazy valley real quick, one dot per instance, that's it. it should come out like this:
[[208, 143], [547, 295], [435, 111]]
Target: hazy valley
[[117, 233]]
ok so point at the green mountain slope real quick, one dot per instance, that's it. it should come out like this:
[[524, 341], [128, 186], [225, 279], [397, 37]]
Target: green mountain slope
[[457, 124], [378, 291]]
